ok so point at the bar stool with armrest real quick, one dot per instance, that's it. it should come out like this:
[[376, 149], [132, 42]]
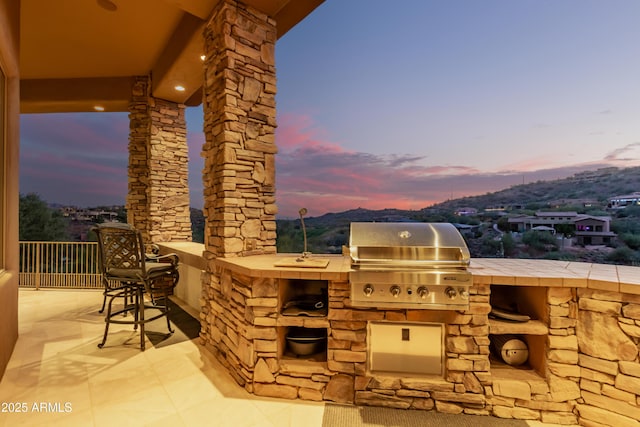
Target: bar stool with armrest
[[123, 261]]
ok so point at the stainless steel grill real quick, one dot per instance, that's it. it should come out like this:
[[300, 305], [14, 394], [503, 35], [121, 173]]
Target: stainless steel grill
[[409, 265]]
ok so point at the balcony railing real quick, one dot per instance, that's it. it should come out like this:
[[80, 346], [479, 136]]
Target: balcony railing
[[59, 265]]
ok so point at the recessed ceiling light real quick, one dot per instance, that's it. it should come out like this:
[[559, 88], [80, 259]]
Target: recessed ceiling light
[[203, 57], [98, 107], [108, 5], [179, 88]]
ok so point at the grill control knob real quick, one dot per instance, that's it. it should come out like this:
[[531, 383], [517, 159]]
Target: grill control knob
[[423, 292], [464, 293], [368, 289], [395, 291], [451, 293]]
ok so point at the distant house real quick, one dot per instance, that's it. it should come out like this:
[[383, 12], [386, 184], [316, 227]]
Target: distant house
[[496, 208], [585, 203], [587, 229], [621, 202], [523, 223], [466, 211], [81, 214], [503, 208], [467, 229], [593, 230]]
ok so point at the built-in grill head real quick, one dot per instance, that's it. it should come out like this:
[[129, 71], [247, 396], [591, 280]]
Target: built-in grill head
[[407, 245], [409, 265]]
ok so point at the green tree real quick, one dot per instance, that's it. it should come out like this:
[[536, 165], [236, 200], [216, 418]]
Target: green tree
[[566, 229], [540, 240], [38, 221], [503, 224], [197, 225], [508, 244]]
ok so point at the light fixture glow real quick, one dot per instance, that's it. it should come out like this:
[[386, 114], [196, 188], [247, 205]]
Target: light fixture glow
[[203, 57], [98, 107], [179, 88]]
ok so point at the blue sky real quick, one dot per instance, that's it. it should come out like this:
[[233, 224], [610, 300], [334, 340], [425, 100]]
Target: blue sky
[[404, 107]]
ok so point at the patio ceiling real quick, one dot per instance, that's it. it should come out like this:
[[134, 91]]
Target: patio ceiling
[[78, 54]]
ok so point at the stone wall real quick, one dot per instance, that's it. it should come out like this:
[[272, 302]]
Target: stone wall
[[239, 166], [158, 197], [247, 336], [608, 335], [241, 317], [550, 395], [592, 363], [239, 126], [139, 135], [466, 361], [588, 374], [168, 188]]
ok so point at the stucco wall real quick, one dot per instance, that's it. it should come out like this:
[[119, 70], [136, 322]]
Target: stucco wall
[[9, 34]]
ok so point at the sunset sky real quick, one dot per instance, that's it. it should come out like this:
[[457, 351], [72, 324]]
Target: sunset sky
[[382, 107]]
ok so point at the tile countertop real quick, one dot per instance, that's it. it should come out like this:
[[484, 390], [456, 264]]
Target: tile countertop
[[495, 271]]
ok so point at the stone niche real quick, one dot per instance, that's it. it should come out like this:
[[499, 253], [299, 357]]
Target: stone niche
[[530, 301]]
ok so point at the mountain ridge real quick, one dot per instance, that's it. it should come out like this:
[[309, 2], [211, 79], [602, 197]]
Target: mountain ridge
[[588, 190]]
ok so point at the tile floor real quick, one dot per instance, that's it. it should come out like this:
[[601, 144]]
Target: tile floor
[[59, 377]]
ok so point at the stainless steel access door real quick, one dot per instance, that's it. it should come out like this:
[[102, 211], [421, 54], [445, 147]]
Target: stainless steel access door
[[411, 348]]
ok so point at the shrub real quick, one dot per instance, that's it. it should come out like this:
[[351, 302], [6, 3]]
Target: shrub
[[623, 255], [539, 240], [631, 240], [560, 256]]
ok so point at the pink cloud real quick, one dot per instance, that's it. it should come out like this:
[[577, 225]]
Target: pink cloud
[[82, 159], [298, 132], [323, 176], [316, 173]]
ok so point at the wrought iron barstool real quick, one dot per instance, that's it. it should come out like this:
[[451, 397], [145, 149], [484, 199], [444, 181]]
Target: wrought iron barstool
[[128, 272]]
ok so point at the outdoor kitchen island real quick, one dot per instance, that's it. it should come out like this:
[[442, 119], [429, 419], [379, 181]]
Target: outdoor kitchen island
[[583, 339]]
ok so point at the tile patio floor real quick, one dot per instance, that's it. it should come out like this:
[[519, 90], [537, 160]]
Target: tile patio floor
[[63, 379]]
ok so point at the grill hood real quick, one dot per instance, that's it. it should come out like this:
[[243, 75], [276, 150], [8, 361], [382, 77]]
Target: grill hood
[[407, 244], [409, 265]]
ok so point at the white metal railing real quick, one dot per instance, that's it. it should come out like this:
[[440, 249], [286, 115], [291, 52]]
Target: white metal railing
[[59, 265]]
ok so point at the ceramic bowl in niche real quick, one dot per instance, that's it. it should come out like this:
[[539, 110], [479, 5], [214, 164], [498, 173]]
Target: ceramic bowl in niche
[[304, 342]]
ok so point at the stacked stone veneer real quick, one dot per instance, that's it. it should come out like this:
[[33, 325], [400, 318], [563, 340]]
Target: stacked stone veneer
[[248, 336], [466, 347], [238, 176], [139, 136], [590, 374], [552, 395], [239, 126], [158, 197], [608, 335]]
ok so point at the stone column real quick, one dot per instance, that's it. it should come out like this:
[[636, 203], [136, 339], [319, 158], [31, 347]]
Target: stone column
[[239, 126], [139, 129], [239, 171], [158, 199]]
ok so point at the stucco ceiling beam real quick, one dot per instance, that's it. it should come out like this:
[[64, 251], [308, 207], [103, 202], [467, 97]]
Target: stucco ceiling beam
[[180, 63], [75, 95]]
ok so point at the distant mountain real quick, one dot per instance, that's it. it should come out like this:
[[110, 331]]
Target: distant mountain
[[590, 189], [584, 192], [586, 189]]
